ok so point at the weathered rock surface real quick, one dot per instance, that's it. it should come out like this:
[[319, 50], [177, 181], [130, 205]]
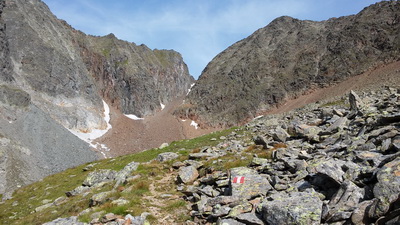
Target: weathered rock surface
[[32, 144], [247, 183], [53, 76], [188, 174], [287, 58], [295, 208], [167, 156]]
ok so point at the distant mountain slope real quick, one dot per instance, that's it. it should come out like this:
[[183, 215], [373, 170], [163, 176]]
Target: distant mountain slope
[[289, 57], [65, 76]]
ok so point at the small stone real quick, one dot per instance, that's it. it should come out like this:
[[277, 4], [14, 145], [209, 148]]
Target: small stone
[[77, 191], [65, 221], [108, 218], [100, 198], [43, 207], [167, 156], [163, 145], [60, 200], [120, 202], [201, 155], [239, 209], [259, 161], [250, 218], [228, 222]]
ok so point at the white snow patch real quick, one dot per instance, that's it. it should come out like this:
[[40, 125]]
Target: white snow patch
[[88, 137], [194, 124], [190, 89], [162, 106], [183, 120], [133, 117]]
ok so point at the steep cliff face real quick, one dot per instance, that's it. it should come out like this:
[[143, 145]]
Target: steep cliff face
[[287, 58], [134, 78], [64, 76]]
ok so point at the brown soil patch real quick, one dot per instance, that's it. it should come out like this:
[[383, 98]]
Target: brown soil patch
[[130, 136]]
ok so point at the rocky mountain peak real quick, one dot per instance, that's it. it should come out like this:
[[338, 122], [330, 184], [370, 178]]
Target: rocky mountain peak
[[289, 57]]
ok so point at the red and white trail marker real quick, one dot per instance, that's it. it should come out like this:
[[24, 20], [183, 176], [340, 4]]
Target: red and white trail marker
[[238, 180]]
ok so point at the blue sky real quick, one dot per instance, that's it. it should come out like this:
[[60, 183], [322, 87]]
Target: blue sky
[[198, 29]]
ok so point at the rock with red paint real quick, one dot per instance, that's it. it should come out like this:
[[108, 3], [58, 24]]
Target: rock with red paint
[[247, 183]]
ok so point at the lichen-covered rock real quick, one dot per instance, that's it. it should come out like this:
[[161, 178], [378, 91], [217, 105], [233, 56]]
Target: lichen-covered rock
[[295, 208], [388, 187], [99, 176], [246, 183], [121, 176], [187, 174], [166, 156]]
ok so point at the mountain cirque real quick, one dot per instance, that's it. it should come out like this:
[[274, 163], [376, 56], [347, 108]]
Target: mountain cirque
[[288, 58], [55, 77], [335, 162]]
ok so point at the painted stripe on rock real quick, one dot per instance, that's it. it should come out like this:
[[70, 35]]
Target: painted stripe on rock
[[238, 180]]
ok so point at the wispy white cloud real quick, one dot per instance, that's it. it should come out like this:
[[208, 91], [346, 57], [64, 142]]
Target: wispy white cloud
[[197, 29]]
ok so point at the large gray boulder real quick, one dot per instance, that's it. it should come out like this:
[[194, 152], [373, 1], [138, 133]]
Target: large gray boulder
[[247, 183], [293, 208], [388, 187]]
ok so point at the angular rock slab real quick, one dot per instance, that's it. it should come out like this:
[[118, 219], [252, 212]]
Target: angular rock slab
[[166, 156], [123, 174], [187, 174], [344, 201], [98, 176], [387, 189], [295, 208], [246, 183]]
